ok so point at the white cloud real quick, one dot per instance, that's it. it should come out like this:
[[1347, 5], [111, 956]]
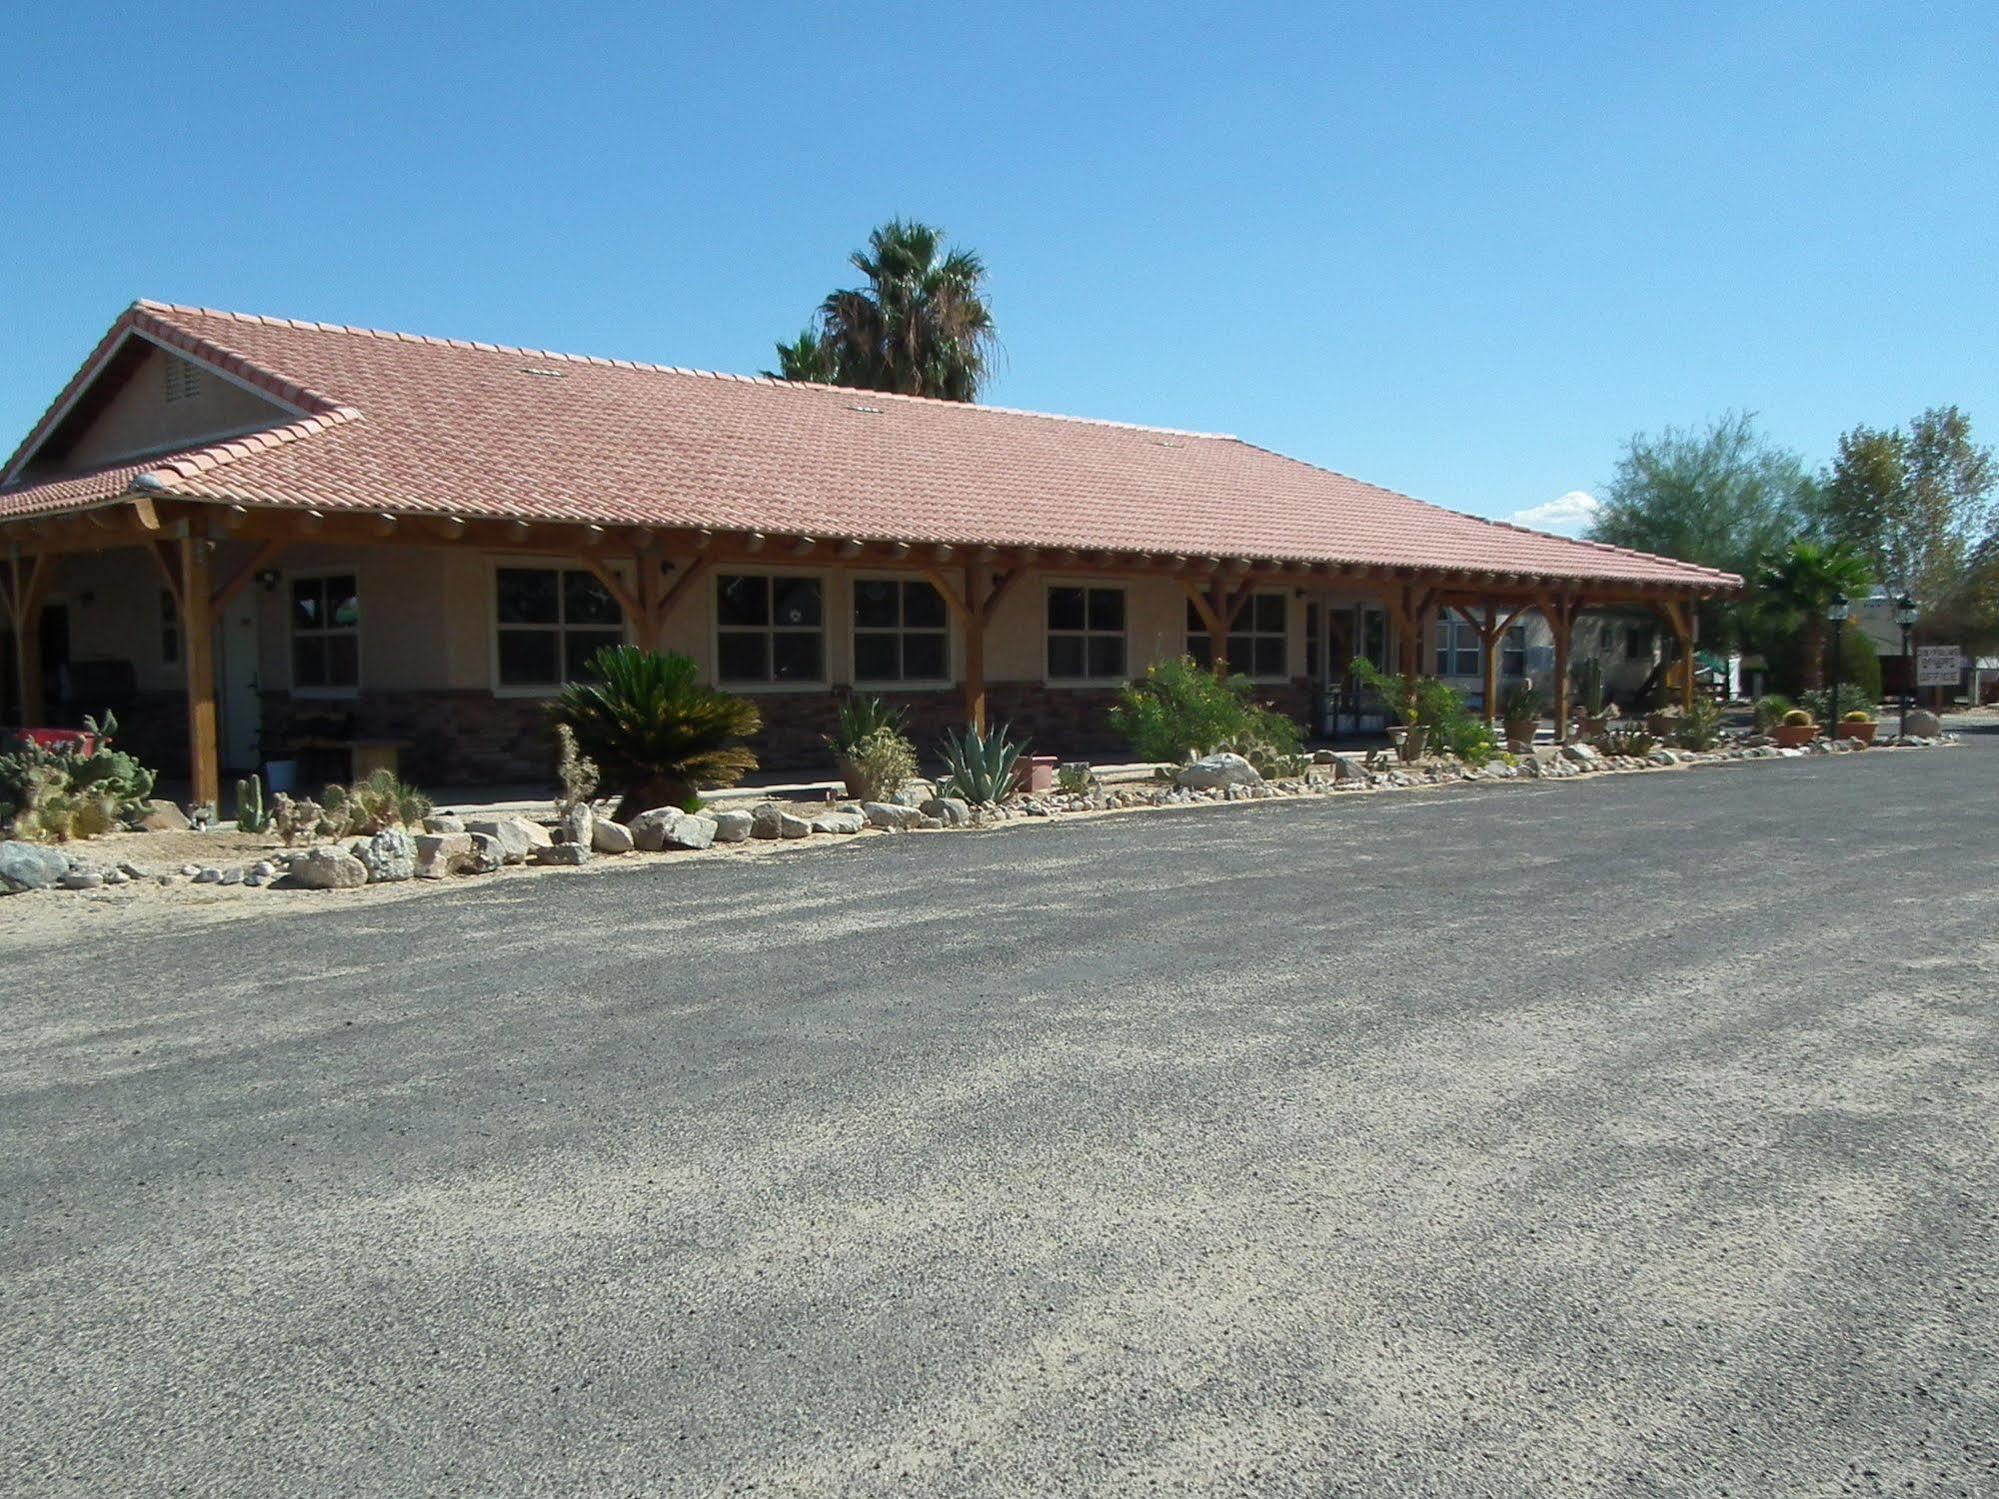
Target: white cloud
[[1569, 515]]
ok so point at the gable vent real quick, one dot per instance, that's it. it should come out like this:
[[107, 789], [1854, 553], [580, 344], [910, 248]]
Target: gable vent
[[183, 380]]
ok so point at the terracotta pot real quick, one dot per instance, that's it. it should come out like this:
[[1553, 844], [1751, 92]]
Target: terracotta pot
[[1864, 732], [1662, 725], [1794, 735], [1408, 740], [1034, 773], [1593, 728], [1522, 730]]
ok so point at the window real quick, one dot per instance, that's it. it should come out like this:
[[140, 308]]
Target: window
[[549, 622], [1457, 649], [169, 628], [326, 634], [1513, 652], [1085, 634], [901, 632], [769, 629], [1256, 643], [1638, 642], [1312, 650]]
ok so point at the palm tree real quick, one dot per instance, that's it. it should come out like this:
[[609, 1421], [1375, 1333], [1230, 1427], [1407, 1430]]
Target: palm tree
[[1794, 588], [919, 327], [658, 736]]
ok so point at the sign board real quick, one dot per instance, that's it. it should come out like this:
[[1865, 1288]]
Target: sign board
[[1938, 665]]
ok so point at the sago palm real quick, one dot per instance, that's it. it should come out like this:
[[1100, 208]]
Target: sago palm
[[658, 736]]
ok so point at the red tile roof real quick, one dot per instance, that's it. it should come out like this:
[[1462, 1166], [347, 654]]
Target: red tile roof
[[402, 424]]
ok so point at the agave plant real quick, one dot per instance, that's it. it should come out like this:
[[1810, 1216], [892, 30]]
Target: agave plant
[[980, 767], [658, 736], [860, 719]]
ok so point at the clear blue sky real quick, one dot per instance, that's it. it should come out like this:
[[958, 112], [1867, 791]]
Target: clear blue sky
[[1457, 253]]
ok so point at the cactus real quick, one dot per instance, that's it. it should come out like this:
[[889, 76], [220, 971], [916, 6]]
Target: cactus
[[251, 815], [1589, 688], [1797, 718]]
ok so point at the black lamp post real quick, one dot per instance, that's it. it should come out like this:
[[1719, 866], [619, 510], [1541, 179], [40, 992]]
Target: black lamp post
[[1835, 613], [1905, 616]]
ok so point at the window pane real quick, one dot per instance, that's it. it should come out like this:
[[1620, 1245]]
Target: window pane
[[1065, 655], [578, 646], [1267, 613], [1468, 663], [875, 658], [742, 601], [1065, 609], [1106, 655], [527, 658], [795, 601], [795, 656], [307, 613], [925, 658], [586, 601], [343, 604], [527, 597], [343, 660], [922, 607], [1107, 608], [1201, 649], [1242, 652], [1269, 656], [1195, 624], [308, 661], [874, 604], [742, 657]]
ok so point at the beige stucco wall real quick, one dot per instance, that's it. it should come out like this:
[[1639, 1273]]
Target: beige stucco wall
[[140, 419]]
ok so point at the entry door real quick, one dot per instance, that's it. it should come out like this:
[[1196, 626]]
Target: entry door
[[240, 706]]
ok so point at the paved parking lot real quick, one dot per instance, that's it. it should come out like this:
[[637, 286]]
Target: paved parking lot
[[1633, 1136]]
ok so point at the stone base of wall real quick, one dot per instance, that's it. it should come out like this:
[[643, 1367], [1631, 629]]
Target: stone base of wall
[[466, 738]]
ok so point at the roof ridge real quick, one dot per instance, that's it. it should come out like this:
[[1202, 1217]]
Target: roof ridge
[[1503, 525], [169, 309], [161, 476]]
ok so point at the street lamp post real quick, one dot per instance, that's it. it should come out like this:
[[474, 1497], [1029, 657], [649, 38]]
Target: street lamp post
[[1835, 613], [1905, 616]]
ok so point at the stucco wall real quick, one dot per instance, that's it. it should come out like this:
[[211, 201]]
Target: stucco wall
[[140, 419]]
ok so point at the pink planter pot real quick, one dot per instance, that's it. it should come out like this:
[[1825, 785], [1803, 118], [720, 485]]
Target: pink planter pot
[[1035, 773], [1794, 735]]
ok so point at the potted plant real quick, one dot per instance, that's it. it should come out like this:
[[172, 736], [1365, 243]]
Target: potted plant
[[1520, 712], [859, 721], [1795, 730], [1403, 698], [1859, 724], [1594, 711], [1663, 723]]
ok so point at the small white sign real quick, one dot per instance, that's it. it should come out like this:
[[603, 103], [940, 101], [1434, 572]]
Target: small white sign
[[1938, 665]]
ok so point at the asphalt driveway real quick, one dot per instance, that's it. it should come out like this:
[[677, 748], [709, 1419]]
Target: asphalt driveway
[[1634, 1136]]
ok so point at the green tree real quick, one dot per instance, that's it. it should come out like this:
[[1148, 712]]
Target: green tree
[[1793, 590], [1915, 502], [1724, 497], [919, 327]]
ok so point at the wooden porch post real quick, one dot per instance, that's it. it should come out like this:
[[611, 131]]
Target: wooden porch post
[[24, 607], [973, 618], [1562, 620], [1678, 618], [197, 618], [1488, 641]]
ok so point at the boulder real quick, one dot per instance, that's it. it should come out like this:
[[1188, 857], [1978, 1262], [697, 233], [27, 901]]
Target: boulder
[[791, 826], [81, 879], [649, 829], [1924, 724], [515, 835], [949, 811], [692, 831], [562, 853], [767, 820], [608, 837], [162, 817], [1345, 770], [1213, 771], [914, 793], [29, 866], [209, 876], [444, 822], [329, 869], [732, 827], [389, 856], [1580, 754], [487, 854], [839, 822], [893, 815], [233, 875], [574, 825], [441, 854]]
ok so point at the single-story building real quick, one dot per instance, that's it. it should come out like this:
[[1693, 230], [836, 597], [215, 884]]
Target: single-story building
[[254, 535]]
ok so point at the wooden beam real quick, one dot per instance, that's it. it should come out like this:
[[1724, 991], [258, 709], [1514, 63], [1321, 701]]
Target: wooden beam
[[1005, 581], [694, 570], [143, 510], [268, 553], [972, 615], [167, 555], [615, 586], [198, 657]]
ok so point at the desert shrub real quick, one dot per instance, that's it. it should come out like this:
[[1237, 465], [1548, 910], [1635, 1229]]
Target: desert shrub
[[980, 767], [56, 794], [1770, 711], [877, 764], [861, 718], [1700, 729], [575, 771], [658, 736], [1180, 708]]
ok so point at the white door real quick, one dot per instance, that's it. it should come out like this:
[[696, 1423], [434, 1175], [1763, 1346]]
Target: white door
[[240, 706]]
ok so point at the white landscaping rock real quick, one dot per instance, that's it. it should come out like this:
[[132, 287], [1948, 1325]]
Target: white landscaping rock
[[649, 829], [563, 853], [441, 854], [1581, 754], [29, 866], [516, 836], [487, 854], [692, 831], [949, 811], [1924, 724], [329, 869], [839, 822], [1213, 771], [732, 827], [892, 815], [389, 856], [574, 825], [767, 820], [608, 837]]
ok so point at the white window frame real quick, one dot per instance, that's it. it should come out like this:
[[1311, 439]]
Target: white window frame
[[1196, 631], [1085, 634], [310, 574], [826, 606], [856, 630], [1451, 641], [494, 628]]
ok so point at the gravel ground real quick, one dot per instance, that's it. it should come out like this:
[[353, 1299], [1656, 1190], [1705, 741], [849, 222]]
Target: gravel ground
[[1629, 1136]]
